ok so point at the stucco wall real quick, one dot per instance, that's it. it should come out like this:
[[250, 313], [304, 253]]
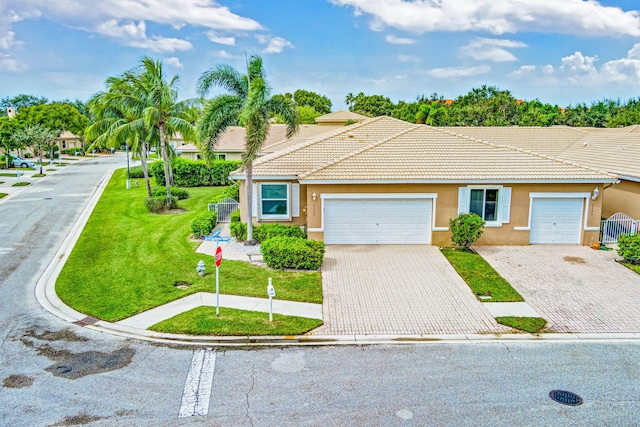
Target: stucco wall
[[623, 197], [447, 207]]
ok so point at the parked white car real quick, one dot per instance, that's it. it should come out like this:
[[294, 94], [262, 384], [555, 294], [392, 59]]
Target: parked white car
[[19, 162]]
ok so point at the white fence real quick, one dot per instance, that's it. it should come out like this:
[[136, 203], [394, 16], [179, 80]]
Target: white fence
[[224, 208], [617, 224]]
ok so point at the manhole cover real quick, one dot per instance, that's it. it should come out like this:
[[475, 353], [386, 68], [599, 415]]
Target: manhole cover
[[565, 397]]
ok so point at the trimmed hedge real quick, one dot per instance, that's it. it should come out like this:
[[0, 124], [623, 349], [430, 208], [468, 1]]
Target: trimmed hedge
[[232, 191], [235, 216], [159, 204], [238, 230], [293, 253], [136, 172], [267, 231], [629, 248], [204, 223], [178, 193], [196, 173]]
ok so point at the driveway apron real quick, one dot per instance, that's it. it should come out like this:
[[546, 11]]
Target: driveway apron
[[577, 289], [397, 290]]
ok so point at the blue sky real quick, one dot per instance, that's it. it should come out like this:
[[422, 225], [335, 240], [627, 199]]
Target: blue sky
[[559, 51]]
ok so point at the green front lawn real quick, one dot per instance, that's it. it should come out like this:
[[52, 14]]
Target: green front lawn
[[127, 261], [203, 320], [634, 267], [20, 184], [527, 324], [481, 277]]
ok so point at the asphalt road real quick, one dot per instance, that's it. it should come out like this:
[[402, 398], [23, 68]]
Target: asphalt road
[[55, 373]]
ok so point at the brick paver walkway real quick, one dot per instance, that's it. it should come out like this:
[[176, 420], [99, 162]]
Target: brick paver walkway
[[576, 288], [397, 290]]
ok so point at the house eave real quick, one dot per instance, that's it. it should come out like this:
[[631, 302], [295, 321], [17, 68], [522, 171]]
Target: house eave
[[458, 181], [266, 177]]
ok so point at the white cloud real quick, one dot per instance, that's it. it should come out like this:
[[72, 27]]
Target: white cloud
[[134, 35], [399, 40], [408, 58], [174, 62], [578, 67], [116, 19], [457, 72], [222, 54], [229, 41], [8, 64], [498, 16], [495, 50], [274, 44]]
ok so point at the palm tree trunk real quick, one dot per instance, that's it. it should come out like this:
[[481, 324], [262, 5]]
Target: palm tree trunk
[[249, 192], [145, 171], [165, 160]]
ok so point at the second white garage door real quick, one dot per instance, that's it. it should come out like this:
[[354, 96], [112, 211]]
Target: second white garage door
[[367, 222], [556, 221]]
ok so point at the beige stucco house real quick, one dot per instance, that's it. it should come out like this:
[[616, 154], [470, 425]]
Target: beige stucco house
[[69, 140], [386, 181], [232, 141], [613, 150]]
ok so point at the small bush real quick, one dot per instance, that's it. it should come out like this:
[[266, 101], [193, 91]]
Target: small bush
[[267, 231], [204, 223], [196, 173], [292, 252], [238, 230], [629, 248], [232, 191], [466, 229], [235, 216], [136, 172], [159, 204], [71, 151], [177, 193]]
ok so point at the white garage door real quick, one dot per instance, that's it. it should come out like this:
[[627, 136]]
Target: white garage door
[[370, 222], [556, 221]]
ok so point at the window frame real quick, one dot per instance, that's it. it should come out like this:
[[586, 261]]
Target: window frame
[[287, 199], [500, 220]]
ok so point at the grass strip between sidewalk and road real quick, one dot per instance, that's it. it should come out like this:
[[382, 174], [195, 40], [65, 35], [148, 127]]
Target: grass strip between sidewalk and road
[[481, 277], [528, 324], [233, 322], [127, 261]]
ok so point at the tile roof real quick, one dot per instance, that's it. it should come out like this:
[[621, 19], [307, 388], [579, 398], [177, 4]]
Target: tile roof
[[341, 116], [386, 149], [615, 150]]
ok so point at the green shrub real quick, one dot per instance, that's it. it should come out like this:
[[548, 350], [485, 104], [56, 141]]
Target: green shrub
[[238, 230], [204, 223], [196, 173], [293, 253], [232, 191], [267, 231], [72, 151], [178, 193], [466, 229], [159, 204], [629, 248], [235, 216], [136, 172]]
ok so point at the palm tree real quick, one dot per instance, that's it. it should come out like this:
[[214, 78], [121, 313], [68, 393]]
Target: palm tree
[[248, 104], [141, 105]]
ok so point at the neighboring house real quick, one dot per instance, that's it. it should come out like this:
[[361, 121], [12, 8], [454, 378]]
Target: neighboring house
[[386, 181], [69, 140], [614, 150], [232, 141]]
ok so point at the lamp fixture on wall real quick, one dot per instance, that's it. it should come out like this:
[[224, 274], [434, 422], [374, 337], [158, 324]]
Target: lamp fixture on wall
[[596, 193], [314, 196]]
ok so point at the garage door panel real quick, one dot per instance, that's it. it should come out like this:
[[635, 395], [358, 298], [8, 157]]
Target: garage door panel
[[556, 221], [377, 221]]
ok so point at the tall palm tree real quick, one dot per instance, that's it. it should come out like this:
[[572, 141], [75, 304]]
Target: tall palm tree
[[141, 105], [248, 104]]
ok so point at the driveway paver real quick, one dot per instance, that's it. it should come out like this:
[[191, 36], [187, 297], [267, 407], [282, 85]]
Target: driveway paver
[[575, 288], [397, 290]]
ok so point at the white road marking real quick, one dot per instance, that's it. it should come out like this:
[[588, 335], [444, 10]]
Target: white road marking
[[197, 389]]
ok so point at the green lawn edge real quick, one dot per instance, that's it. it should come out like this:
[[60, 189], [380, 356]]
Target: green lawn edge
[[527, 324], [480, 276], [234, 322], [127, 261]]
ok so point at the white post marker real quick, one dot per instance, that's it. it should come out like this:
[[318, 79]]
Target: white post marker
[[218, 262], [272, 293]]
